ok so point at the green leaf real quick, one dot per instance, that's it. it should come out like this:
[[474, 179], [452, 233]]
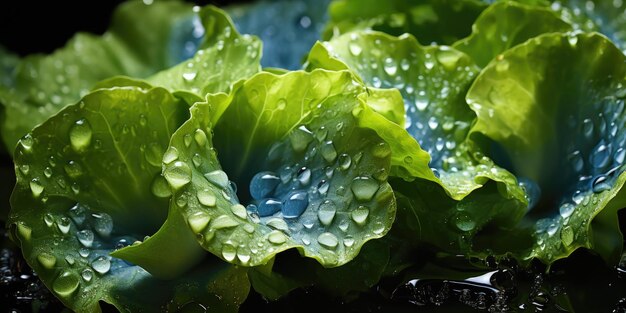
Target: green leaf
[[431, 21], [433, 81], [571, 89], [142, 40], [89, 182], [299, 127], [228, 58], [507, 24]]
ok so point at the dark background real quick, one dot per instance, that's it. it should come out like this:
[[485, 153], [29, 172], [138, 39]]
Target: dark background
[[41, 26]]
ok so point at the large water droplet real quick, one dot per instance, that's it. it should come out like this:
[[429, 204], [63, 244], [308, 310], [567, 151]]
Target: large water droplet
[[160, 188], [170, 155], [326, 212], [178, 174], [102, 224], [328, 151], [47, 260], [101, 264], [576, 159], [600, 155], [87, 274], [600, 184], [364, 188], [85, 237], [295, 203], [269, 207], [588, 128], [218, 178], [300, 138], [304, 176], [200, 137], [27, 142], [360, 214], [567, 235], [390, 66], [344, 161], [206, 197], [36, 187], [566, 210], [224, 221], [327, 240], [277, 237], [198, 221], [63, 224], [80, 135], [263, 184], [464, 222], [66, 284], [355, 49], [229, 252]]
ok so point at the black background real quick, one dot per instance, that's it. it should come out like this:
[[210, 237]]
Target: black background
[[41, 26]]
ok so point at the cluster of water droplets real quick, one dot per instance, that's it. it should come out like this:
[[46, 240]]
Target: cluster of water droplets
[[92, 235], [596, 155], [430, 81]]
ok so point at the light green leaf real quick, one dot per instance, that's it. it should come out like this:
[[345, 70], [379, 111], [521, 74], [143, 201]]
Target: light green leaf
[[89, 182], [431, 21], [300, 127], [571, 89], [504, 25], [142, 40]]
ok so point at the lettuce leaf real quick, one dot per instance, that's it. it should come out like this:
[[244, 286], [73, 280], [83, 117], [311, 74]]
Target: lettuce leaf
[[570, 88]]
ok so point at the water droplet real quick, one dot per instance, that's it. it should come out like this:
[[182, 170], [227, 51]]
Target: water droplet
[[263, 184], [566, 209], [464, 222], [218, 178], [300, 138], [327, 240], [620, 155], [85, 237], [80, 135], [160, 188], [296, 202], [170, 155], [47, 172], [276, 237], [239, 211], [200, 136], [588, 128], [567, 235], [344, 161], [73, 169], [27, 142], [223, 221], [381, 150], [390, 67], [601, 184], [322, 187], [36, 188], [63, 224], [278, 224], [408, 159], [576, 160], [328, 151], [178, 174], [48, 219], [66, 284], [348, 241], [101, 264], [269, 207], [229, 252], [24, 168], [304, 176], [364, 188], [83, 252], [360, 214], [190, 76], [87, 274], [187, 140], [206, 197], [103, 224], [47, 260], [448, 58], [355, 49], [70, 260], [198, 221], [154, 154], [326, 212], [600, 155]]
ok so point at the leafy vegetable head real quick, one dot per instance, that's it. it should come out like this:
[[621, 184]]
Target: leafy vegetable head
[[570, 89], [316, 180]]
